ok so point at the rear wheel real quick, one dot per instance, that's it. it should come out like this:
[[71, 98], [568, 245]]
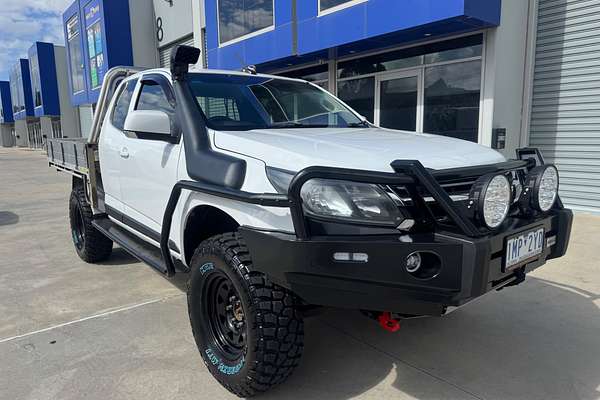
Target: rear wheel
[[249, 331], [90, 244]]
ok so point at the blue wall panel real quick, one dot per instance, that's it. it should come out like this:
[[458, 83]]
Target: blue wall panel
[[274, 44], [365, 26], [375, 18], [5, 103], [44, 73]]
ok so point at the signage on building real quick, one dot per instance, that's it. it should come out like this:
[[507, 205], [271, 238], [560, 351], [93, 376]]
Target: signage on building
[[95, 43]]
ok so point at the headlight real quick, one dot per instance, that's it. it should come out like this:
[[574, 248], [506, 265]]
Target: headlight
[[358, 202], [491, 196], [543, 182]]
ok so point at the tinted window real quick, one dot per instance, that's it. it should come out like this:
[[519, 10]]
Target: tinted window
[[75, 53], [360, 95], [232, 102], [327, 4], [454, 49], [241, 17], [122, 105], [452, 96], [154, 97]]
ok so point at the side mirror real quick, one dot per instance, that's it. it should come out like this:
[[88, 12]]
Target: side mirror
[[149, 121]]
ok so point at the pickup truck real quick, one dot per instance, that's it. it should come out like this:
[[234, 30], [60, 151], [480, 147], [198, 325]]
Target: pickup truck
[[276, 198]]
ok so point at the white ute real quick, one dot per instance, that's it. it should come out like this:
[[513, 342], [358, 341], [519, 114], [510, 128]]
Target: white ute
[[276, 199]]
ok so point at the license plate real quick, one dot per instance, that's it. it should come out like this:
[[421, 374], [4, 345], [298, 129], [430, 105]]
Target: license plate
[[524, 247]]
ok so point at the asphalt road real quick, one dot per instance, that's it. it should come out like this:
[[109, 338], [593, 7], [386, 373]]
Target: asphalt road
[[69, 330]]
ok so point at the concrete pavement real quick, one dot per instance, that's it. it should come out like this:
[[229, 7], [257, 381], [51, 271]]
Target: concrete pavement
[[69, 330]]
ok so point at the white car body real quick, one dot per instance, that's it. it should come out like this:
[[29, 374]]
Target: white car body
[[138, 175]]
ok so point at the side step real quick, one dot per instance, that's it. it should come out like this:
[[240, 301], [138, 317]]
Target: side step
[[143, 251]]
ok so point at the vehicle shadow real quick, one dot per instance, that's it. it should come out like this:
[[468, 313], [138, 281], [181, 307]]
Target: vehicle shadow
[[536, 341], [119, 257], [8, 218]]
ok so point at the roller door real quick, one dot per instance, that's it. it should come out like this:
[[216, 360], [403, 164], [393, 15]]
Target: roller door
[[164, 52], [565, 119]]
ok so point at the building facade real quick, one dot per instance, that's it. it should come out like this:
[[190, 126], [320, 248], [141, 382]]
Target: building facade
[[7, 122], [99, 35], [22, 101], [50, 94], [504, 73]]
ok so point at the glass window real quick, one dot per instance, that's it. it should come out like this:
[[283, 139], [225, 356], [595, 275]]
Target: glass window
[[16, 89], [75, 55], [454, 54], [122, 105], [452, 96], [153, 96], [327, 4], [319, 75], [232, 102], [465, 47], [360, 95], [36, 86], [241, 17], [398, 103]]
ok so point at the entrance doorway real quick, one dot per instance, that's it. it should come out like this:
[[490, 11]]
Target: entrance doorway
[[34, 130], [399, 101]]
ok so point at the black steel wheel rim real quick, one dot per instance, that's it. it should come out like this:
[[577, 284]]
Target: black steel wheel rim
[[224, 312], [78, 230]]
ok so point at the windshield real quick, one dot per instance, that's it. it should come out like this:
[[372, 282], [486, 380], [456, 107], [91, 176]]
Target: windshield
[[234, 102]]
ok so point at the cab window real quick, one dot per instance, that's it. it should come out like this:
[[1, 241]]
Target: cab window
[[122, 104], [156, 96]]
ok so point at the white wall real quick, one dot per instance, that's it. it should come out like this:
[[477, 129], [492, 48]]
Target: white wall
[[504, 74], [21, 133], [6, 137], [143, 35], [177, 20]]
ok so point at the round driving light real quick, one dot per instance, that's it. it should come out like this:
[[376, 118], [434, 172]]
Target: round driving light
[[546, 188], [413, 262], [491, 197]]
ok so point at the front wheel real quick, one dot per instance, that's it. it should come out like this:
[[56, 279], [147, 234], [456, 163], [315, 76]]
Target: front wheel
[[249, 331], [91, 245]]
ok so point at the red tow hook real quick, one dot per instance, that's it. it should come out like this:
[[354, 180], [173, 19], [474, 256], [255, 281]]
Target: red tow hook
[[388, 323]]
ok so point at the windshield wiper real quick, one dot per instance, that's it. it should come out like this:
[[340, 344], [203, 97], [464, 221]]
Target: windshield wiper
[[361, 124], [293, 124]]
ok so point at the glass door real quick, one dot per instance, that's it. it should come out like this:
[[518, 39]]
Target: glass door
[[399, 101]]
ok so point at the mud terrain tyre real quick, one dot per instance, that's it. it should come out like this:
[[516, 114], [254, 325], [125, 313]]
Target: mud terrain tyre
[[249, 331], [91, 245]]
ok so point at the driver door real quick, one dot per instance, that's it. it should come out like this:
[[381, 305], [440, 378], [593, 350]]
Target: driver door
[[149, 160]]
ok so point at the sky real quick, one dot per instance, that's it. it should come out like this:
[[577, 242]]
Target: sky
[[23, 22]]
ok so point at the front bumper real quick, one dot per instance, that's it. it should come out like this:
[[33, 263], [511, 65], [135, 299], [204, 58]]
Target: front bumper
[[470, 268]]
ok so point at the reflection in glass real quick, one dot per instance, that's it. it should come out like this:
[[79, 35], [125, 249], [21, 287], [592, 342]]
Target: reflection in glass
[[360, 95], [452, 96], [241, 17], [153, 97], [122, 106], [75, 55], [454, 54], [36, 86], [454, 49], [327, 4], [398, 103]]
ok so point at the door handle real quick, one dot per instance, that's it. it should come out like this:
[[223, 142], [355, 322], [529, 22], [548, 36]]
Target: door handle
[[124, 153]]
